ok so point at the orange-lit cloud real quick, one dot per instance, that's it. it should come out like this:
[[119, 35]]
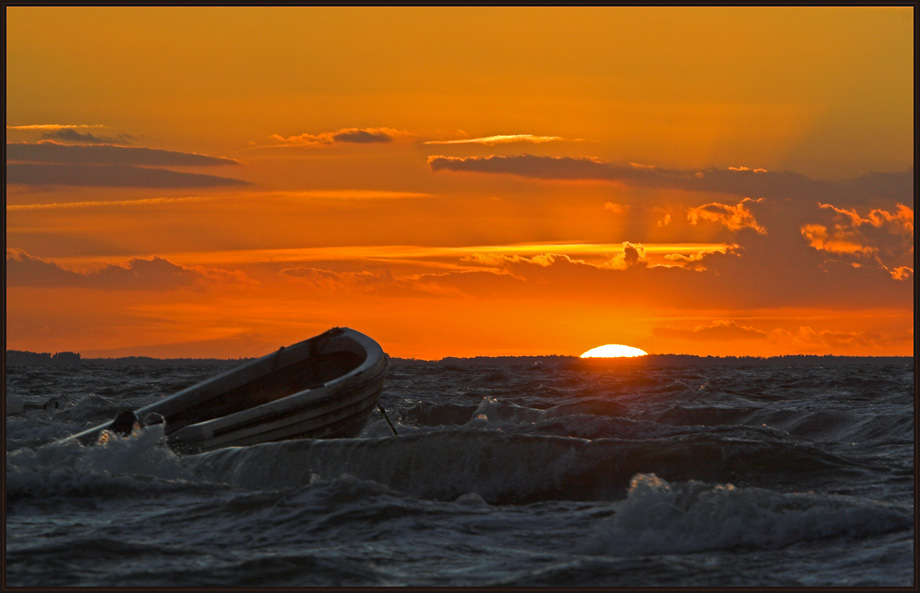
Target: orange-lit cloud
[[882, 236], [694, 261], [718, 330], [632, 256], [55, 126], [758, 170], [503, 139], [734, 218], [154, 274], [139, 202], [839, 242], [71, 135], [830, 339], [616, 208], [343, 136], [328, 280], [331, 195]]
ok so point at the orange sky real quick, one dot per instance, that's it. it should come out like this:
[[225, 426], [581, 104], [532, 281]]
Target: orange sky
[[460, 181]]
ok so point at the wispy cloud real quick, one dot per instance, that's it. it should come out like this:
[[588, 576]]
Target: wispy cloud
[[107, 154], [343, 136], [382, 283], [503, 139], [332, 195], [353, 194], [154, 274], [829, 338], [79, 175], [741, 181], [107, 204], [51, 163], [55, 126], [717, 330], [71, 135]]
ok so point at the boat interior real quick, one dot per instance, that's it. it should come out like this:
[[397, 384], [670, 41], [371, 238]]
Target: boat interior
[[308, 373]]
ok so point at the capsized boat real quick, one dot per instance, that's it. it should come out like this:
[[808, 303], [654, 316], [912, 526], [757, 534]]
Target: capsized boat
[[323, 387]]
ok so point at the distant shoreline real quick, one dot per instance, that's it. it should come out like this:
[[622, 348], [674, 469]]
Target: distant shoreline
[[62, 359]]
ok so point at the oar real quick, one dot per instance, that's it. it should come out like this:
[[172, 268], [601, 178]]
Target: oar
[[379, 407]]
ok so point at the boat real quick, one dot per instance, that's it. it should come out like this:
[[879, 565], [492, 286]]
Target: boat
[[322, 387]]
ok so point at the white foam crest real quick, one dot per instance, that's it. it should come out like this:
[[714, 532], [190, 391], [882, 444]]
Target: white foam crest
[[658, 517], [494, 413], [134, 462]]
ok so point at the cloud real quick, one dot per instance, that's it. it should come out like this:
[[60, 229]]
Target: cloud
[[154, 274], [665, 216], [346, 135], [734, 218], [694, 261], [742, 181], [328, 280], [882, 236], [107, 154], [718, 330], [831, 339], [633, 256], [352, 194], [107, 204], [71, 135], [502, 139], [382, 283], [901, 272], [357, 136], [332, 194], [618, 209], [55, 126], [540, 167], [109, 176]]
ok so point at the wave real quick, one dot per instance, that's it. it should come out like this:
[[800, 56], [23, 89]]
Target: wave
[[507, 468], [136, 466], [659, 517]]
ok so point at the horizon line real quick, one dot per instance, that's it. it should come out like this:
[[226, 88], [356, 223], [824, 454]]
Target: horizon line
[[80, 358]]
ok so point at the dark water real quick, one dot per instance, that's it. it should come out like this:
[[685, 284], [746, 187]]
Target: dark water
[[518, 472]]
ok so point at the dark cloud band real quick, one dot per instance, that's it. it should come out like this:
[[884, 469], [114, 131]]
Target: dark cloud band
[[757, 183], [110, 176], [107, 154]]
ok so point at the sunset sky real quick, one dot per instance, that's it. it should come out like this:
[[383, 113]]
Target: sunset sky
[[460, 181]]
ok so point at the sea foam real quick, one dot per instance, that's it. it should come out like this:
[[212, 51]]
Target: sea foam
[[659, 517]]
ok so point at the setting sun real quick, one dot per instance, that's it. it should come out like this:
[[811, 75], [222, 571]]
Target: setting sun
[[614, 351]]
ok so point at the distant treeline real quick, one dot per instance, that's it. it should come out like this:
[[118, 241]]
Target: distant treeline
[[24, 358], [21, 358], [679, 359]]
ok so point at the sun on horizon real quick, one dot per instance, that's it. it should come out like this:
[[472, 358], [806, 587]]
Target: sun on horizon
[[614, 351]]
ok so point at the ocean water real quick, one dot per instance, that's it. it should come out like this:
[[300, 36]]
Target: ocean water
[[545, 472]]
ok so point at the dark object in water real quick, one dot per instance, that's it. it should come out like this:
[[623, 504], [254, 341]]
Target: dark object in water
[[123, 423], [323, 387]]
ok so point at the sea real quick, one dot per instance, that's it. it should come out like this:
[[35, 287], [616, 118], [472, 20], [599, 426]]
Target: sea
[[550, 472]]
